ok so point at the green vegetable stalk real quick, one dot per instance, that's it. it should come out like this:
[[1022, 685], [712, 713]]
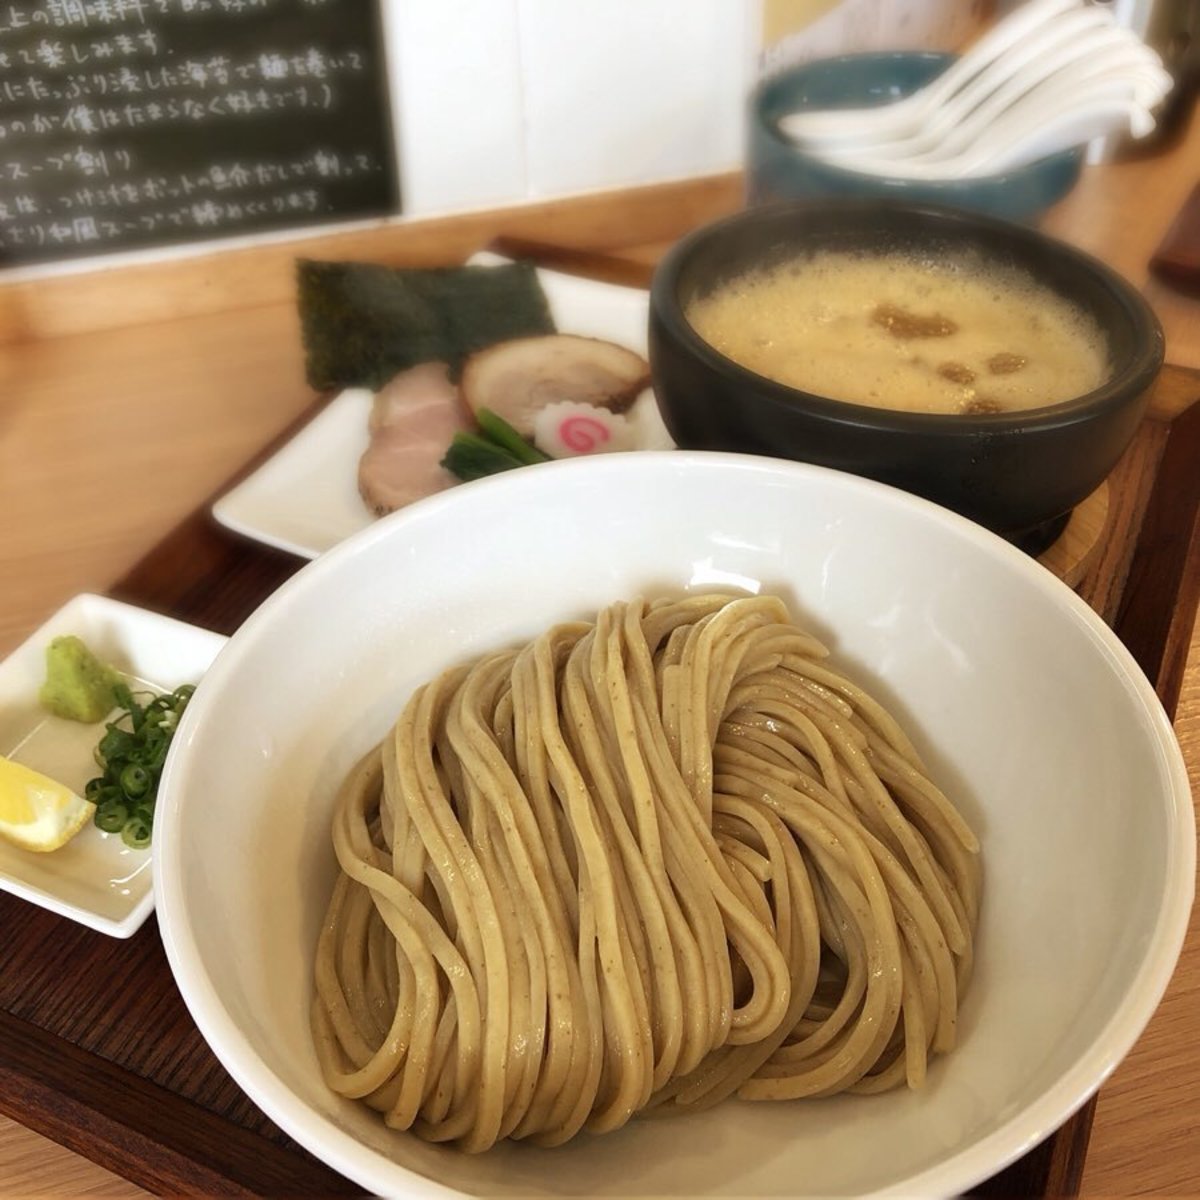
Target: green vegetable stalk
[[496, 447]]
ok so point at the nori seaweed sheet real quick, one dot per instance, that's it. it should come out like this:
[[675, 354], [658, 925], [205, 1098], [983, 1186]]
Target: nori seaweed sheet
[[361, 323]]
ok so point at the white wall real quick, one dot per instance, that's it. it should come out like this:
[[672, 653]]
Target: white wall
[[506, 100]]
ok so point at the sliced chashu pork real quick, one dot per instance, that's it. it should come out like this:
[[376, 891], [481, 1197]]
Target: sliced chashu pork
[[518, 378], [413, 418]]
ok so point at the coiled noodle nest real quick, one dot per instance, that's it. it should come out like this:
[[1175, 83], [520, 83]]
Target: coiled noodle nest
[[639, 865]]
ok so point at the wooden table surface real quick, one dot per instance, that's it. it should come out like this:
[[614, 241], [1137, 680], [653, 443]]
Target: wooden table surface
[[109, 437]]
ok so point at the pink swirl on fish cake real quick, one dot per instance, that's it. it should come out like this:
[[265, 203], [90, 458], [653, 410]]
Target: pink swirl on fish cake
[[583, 434]]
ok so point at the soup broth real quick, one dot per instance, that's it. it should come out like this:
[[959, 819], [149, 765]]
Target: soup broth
[[894, 331]]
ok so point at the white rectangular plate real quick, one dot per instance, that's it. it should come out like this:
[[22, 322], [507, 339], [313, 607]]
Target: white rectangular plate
[[95, 878], [304, 499]]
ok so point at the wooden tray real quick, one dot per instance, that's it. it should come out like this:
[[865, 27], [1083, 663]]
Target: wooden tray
[[97, 1050]]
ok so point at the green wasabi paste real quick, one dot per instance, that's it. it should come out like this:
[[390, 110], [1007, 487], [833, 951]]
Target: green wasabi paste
[[78, 685]]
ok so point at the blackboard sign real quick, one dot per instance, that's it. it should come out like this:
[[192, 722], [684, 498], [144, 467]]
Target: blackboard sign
[[137, 123]]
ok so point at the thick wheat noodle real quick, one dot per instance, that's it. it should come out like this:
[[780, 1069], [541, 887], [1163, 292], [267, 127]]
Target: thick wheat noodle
[[639, 865]]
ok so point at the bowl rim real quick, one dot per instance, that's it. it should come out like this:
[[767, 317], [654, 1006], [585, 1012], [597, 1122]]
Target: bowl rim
[[371, 1168], [1130, 381], [1069, 159]]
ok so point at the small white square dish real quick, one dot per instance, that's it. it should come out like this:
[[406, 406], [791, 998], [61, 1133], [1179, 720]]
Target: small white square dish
[[304, 499], [95, 878]]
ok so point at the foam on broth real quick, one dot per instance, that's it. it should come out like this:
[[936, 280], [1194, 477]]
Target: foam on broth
[[892, 330]]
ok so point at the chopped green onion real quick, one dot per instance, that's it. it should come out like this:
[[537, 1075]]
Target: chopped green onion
[[116, 743], [135, 780], [127, 701], [131, 754], [111, 816], [136, 833]]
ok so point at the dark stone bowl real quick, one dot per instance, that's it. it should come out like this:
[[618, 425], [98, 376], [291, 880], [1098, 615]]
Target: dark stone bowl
[[1019, 474]]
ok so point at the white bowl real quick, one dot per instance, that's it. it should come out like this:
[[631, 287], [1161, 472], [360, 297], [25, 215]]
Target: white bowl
[[1028, 708]]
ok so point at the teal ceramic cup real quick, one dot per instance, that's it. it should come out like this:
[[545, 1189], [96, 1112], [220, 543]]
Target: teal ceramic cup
[[778, 169]]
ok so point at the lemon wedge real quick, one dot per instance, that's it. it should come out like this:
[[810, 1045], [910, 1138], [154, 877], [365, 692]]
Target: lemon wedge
[[37, 812]]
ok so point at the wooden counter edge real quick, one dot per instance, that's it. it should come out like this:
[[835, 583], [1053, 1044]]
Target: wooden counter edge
[[133, 293], [156, 1145], [1167, 558]]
